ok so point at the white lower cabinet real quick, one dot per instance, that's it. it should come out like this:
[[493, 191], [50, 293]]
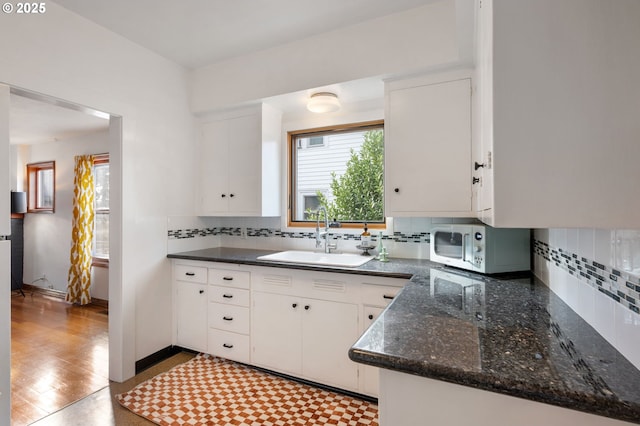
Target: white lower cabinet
[[375, 297], [229, 314], [191, 315], [276, 332], [329, 329], [300, 323], [370, 375], [306, 337]]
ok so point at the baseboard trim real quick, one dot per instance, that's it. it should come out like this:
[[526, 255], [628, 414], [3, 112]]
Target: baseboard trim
[[156, 357], [60, 294], [329, 388], [44, 291]]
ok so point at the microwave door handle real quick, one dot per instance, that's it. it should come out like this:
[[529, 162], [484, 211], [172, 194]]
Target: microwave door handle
[[464, 248]]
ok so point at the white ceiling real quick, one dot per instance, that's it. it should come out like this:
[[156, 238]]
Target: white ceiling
[[195, 33], [33, 121]]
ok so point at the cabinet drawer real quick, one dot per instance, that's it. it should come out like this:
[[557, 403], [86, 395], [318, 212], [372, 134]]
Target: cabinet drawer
[[229, 345], [229, 295], [228, 278], [196, 274], [229, 317], [378, 295]]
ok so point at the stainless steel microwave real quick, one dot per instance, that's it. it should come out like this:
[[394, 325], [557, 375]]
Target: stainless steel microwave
[[481, 248]]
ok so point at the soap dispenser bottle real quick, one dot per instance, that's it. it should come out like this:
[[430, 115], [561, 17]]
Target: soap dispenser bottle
[[365, 237]]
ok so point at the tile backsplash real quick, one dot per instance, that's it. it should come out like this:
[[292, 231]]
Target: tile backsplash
[[408, 237], [597, 273]]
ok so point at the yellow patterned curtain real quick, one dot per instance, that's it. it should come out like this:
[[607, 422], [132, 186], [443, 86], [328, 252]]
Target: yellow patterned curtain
[[79, 280]]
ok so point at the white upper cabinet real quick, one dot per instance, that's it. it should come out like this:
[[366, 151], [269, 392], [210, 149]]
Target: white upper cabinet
[[428, 146], [560, 113], [240, 164]]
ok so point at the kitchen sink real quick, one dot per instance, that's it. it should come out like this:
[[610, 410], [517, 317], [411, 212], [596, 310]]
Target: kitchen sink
[[318, 258]]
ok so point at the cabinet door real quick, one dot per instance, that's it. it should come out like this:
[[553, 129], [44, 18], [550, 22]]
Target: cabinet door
[[214, 168], [276, 332], [329, 330], [428, 149], [191, 315], [370, 380], [245, 165]]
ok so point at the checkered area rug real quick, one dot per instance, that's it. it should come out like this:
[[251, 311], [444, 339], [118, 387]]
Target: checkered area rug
[[213, 391]]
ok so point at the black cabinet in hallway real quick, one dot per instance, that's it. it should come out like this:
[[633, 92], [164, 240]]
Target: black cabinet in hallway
[[17, 252]]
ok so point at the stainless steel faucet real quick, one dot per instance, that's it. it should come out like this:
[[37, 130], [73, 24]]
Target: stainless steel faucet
[[320, 235]]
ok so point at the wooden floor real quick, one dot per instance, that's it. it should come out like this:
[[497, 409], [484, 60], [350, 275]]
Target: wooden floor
[[59, 354], [60, 366]]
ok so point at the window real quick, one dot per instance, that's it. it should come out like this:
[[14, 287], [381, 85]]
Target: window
[[315, 141], [311, 204], [101, 209], [41, 181], [340, 168]]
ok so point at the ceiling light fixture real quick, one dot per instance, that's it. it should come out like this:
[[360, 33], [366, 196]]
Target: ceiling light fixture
[[323, 102]]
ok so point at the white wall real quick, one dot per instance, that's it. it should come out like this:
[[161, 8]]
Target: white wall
[[47, 237], [65, 56], [615, 250], [405, 42], [5, 260]]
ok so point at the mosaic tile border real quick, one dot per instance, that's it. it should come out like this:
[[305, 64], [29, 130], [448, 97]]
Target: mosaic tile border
[[620, 286], [422, 237]]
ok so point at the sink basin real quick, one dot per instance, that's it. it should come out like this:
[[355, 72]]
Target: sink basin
[[316, 258]]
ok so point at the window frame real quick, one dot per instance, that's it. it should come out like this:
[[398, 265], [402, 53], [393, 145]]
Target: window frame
[[100, 261], [291, 169], [33, 172]]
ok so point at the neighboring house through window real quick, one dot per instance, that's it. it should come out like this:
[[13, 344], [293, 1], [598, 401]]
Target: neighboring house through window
[[340, 168]]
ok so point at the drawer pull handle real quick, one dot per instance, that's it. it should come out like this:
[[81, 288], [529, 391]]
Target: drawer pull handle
[[227, 278], [227, 346], [228, 296], [190, 274], [370, 316], [306, 307], [387, 296], [201, 291], [227, 318]]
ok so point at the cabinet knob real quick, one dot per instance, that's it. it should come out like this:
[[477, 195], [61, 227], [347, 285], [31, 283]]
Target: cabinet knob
[[370, 316], [224, 195], [294, 305], [227, 318], [201, 291], [396, 190], [306, 307], [231, 195], [477, 165], [226, 345], [475, 180]]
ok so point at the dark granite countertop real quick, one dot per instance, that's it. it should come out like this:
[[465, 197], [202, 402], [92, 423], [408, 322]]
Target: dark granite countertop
[[507, 335]]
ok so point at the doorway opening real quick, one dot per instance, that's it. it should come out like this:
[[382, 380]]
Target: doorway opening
[[76, 361]]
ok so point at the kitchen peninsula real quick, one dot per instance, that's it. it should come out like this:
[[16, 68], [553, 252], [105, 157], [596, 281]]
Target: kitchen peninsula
[[511, 337]]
